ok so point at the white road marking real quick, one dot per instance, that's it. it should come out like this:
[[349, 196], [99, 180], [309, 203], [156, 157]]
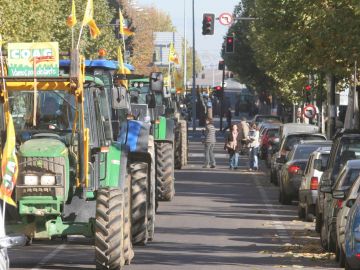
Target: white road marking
[[49, 257], [202, 155], [281, 230]]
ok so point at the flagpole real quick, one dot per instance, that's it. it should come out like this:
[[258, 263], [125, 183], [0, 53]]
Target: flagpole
[[81, 30], [2, 230], [185, 44], [72, 37]]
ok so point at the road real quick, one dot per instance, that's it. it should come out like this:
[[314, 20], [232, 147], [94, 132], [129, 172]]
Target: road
[[219, 219]]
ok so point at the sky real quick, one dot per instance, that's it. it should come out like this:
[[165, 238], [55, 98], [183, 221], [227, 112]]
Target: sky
[[208, 47]]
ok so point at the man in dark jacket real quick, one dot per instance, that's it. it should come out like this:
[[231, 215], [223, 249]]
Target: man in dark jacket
[[209, 142]]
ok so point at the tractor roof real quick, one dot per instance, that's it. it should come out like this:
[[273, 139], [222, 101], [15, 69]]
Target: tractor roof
[[98, 63], [44, 83]]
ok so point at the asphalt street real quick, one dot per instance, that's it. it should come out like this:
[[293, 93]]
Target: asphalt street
[[219, 219]]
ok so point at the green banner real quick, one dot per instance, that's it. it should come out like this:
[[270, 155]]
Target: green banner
[[24, 59]]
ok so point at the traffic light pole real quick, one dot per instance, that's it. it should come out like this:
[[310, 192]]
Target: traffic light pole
[[222, 100], [193, 71]]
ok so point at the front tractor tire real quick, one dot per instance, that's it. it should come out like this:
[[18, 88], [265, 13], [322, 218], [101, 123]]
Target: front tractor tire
[[139, 209], [152, 199], [178, 147], [184, 142], [165, 187], [109, 229]]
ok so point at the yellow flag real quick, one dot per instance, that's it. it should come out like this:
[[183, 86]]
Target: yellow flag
[[71, 19], [89, 12], [89, 19], [121, 23], [173, 58], [124, 31], [122, 68], [9, 164], [121, 61]]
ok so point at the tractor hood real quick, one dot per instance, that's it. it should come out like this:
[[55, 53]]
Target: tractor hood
[[44, 147]]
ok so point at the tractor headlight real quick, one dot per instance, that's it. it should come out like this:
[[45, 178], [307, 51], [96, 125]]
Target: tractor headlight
[[31, 180], [47, 180]]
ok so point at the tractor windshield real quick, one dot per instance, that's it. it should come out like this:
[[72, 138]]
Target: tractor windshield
[[55, 110], [142, 90]]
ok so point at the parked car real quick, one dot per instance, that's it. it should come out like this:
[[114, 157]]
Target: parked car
[[347, 199], [294, 165], [286, 145], [274, 144], [309, 185], [345, 179], [269, 133], [352, 237], [346, 146], [287, 128], [260, 118]]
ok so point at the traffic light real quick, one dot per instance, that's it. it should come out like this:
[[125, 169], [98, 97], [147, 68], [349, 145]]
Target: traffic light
[[208, 24], [229, 44], [221, 65], [218, 91], [308, 93]]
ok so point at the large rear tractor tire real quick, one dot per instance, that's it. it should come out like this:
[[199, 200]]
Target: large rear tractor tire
[[165, 187], [109, 229], [128, 247], [184, 142], [152, 199], [139, 191], [177, 147]]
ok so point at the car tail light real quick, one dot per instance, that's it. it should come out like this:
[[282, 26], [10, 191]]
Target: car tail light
[[339, 203], [293, 169], [357, 256], [314, 182]]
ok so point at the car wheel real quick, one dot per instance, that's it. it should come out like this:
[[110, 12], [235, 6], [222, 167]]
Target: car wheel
[[301, 212], [342, 257], [308, 215], [323, 237], [318, 221]]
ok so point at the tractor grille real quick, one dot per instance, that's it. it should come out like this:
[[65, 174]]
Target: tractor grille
[[43, 165]]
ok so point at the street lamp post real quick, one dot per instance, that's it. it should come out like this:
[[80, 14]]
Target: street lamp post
[[193, 70]]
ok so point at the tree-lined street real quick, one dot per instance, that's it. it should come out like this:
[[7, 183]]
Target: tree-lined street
[[219, 219]]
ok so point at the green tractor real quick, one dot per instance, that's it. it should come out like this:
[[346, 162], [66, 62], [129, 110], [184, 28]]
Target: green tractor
[[74, 178], [135, 133], [150, 97]]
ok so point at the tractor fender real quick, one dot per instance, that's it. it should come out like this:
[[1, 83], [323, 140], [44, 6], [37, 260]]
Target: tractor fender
[[164, 129], [135, 134], [117, 158]]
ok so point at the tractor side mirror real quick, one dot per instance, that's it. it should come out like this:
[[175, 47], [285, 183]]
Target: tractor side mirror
[[156, 81], [119, 98], [150, 101]]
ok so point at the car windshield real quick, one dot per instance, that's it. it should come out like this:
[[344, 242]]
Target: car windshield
[[303, 152], [292, 140], [55, 110], [273, 133], [269, 118], [351, 177]]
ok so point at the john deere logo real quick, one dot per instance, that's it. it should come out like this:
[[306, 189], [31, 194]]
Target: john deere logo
[[39, 163]]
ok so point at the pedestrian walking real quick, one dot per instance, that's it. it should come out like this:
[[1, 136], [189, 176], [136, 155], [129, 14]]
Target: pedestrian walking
[[243, 129], [254, 143], [228, 119], [232, 146], [209, 143]]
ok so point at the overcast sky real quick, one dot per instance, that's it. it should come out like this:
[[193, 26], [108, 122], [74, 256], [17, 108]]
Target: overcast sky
[[208, 47]]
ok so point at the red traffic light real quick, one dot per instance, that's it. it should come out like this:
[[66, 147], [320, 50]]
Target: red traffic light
[[208, 19], [308, 87], [230, 40], [217, 88]]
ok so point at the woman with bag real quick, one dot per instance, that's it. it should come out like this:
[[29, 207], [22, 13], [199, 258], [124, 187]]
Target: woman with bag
[[232, 145]]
